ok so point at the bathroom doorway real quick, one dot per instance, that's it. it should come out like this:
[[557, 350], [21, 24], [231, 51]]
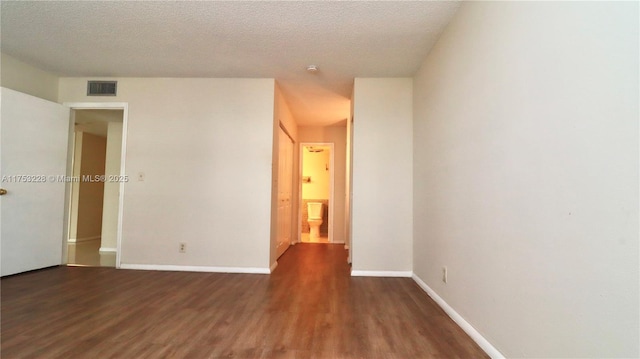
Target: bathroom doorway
[[316, 204]]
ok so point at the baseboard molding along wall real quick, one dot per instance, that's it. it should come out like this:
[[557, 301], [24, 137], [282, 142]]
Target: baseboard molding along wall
[[163, 267], [462, 323], [372, 273], [107, 250], [83, 239]]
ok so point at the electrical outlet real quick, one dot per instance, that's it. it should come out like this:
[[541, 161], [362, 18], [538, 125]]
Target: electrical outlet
[[444, 274], [183, 248]]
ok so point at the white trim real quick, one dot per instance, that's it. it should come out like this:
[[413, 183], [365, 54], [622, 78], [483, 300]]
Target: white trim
[[96, 105], [462, 323], [107, 250], [176, 268], [373, 273], [124, 106], [67, 189], [273, 267], [332, 198], [123, 156], [299, 180]]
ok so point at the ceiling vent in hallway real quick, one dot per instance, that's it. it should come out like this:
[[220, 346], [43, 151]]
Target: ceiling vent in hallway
[[102, 88]]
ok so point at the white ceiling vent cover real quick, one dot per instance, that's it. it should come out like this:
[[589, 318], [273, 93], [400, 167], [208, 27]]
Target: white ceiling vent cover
[[102, 88]]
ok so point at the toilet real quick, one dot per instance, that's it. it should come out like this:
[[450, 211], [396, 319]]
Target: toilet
[[314, 218]]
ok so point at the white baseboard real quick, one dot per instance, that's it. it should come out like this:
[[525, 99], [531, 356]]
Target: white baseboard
[[84, 239], [372, 273], [176, 268], [273, 267], [462, 323], [107, 250]]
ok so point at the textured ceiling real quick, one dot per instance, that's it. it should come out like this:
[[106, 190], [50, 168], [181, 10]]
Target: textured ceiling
[[231, 39]]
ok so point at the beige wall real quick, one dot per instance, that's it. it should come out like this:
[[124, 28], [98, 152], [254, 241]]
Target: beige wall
[[382, 176], [338, 136], [315, 166], [19, 76], [526, 175], [204, 147], [91, 193], [111, 188]]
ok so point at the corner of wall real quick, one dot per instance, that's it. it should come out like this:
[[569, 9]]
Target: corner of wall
[[483, 343], [20, 76]]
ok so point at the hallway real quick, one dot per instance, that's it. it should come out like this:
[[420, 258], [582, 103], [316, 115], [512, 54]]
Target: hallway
[[87, 253], [310, 307]]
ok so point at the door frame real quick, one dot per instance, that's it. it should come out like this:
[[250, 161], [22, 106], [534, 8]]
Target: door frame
[[124, 106], [332, 173]]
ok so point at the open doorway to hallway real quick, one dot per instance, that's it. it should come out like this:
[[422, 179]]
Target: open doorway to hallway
[[317, 192], [334, 142], [95, 187]]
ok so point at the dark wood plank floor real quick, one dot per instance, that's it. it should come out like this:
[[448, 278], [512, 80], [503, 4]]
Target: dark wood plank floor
[[308, 308]]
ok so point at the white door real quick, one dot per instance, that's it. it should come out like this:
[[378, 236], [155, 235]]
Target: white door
[[285, 180], [34, 136]]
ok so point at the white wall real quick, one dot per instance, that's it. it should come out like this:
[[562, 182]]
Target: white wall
[[204, 147], [283, 114], [382, 175], [25, 78], [109, 238], [526, 175]]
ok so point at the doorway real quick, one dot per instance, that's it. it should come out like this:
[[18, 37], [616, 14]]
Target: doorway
[[37, 138], [316, 204], [95, 184]]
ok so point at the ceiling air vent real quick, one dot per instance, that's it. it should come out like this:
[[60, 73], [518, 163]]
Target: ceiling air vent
[[102, 88]]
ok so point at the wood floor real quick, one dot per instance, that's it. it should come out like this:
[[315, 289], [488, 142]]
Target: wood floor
[[308, 308]]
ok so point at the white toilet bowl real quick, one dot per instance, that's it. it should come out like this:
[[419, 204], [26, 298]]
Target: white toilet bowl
[[314, 218]]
